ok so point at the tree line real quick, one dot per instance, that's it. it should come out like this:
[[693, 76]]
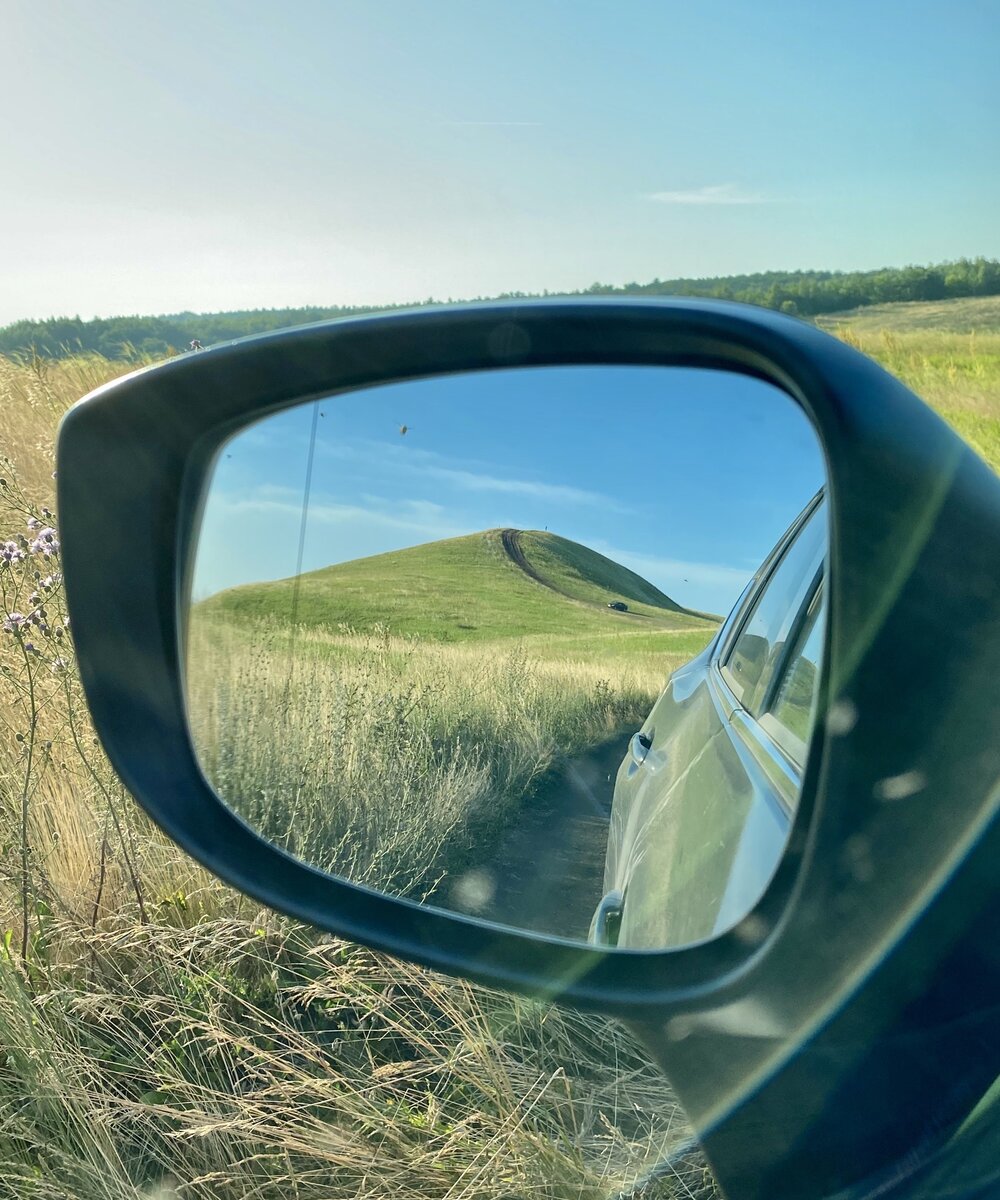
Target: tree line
[[802, 293]]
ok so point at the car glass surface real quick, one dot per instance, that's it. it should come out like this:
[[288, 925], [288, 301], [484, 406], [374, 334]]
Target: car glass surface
[[757, 652], [794, 704]]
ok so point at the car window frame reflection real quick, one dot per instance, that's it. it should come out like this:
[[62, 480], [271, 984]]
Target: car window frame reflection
[[760, 729], [811, 618], [783, 621]]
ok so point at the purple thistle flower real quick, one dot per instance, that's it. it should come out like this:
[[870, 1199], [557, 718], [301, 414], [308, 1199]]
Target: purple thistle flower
[[46, 543], [11, 552], [34, 523], [14, 621]]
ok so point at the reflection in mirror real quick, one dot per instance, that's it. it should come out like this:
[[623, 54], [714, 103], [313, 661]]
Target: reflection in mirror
[[464, 640]]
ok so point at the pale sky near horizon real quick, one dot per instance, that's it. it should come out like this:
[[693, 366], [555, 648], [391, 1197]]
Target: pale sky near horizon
[[231, 154]]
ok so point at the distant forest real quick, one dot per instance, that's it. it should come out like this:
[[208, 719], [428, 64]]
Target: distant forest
[[802, 293]]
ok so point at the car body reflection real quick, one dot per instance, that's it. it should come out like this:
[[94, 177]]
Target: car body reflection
[[705, 795]]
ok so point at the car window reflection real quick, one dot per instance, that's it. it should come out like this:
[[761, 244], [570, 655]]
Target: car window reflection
[[757, 653], [795, 702]]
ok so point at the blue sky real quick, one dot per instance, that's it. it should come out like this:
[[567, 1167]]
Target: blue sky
[[687, 477], [205, 156]]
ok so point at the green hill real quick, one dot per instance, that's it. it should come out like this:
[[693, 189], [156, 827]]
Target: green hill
[[499, 583], [966, 314], [582, 574]]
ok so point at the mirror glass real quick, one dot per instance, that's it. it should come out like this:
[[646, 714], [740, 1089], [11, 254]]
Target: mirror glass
[[467, 640]]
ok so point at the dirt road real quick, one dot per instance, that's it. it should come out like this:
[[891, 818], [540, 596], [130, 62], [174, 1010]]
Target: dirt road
[[510, 539], [547, 873]]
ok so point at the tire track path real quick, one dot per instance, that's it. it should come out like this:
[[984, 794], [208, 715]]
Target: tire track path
[[547, 872], [510, 539]]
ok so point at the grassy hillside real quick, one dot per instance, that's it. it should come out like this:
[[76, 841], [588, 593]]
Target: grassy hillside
[[583, 574], [467, 589], [476, 664], [967, 314]]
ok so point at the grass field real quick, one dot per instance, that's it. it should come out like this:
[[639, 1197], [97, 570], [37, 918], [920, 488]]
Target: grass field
[[973, 314], [397, 761], [165, 1033], [164, 1036], [476, 666]]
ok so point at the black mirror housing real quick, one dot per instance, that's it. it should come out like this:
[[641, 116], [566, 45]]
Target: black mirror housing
[[774, 1023]]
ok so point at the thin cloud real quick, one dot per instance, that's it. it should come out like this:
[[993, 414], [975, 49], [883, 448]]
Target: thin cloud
[[411, 516], [556, 492], [717, 193], [427, 464]]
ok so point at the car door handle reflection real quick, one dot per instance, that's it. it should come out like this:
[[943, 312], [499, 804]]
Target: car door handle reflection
[[607, 920], [639, 748]]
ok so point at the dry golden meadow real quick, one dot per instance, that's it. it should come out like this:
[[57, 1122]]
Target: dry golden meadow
[[161, 1035]]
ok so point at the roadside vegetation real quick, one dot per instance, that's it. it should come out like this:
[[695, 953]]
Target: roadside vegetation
[[958, 374], [165, 1036], [400, 762], [802, 293], [161, 1035], [425, 699]]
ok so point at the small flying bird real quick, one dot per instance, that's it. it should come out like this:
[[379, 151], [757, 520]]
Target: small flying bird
[[403, 429]]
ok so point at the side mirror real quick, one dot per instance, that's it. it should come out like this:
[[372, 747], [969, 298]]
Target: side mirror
[[403, 666], [751, 966]]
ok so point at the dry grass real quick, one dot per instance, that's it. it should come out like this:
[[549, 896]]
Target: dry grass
[[387, 760], [958, 374], [164, 1037], [33, 398], [967, 314], [234, 1060]]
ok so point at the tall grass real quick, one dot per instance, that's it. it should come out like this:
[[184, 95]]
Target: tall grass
[[958, 374], [391, 760], [33, 397], [163, 1036]]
